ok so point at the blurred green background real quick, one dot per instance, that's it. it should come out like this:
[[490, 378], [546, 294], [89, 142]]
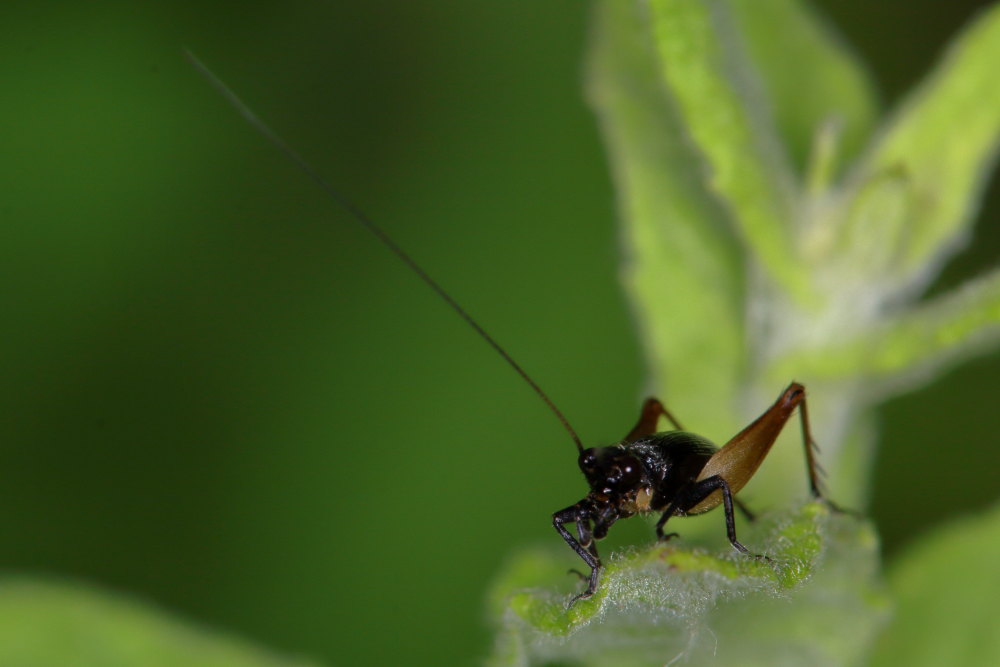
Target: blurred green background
[[219, 394]]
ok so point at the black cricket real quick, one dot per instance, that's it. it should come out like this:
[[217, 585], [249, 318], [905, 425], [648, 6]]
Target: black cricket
[[675, 473]]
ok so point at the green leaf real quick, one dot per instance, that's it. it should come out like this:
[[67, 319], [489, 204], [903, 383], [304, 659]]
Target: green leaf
[[671, 601], [943, 141], [911, 345], [810, 76], [683, 265], [47, 623], [946, 598], [705, 70]]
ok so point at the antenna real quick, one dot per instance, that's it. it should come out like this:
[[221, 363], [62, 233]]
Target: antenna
[[367, 222]]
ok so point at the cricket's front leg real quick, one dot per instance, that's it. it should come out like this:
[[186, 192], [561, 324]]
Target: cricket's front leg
[[584, 546]]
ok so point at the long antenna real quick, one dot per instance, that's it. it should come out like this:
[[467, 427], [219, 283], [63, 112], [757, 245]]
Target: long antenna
[[367, 222]]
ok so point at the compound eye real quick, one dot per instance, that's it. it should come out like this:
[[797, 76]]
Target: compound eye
[[588, 461], [626, 473]]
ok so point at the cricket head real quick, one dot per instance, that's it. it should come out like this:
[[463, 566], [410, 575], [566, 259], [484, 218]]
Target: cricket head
[[610, 471]]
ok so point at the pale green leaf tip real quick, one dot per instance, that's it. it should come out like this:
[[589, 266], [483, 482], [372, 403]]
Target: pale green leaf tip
[[51, 622], [657, 596]]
